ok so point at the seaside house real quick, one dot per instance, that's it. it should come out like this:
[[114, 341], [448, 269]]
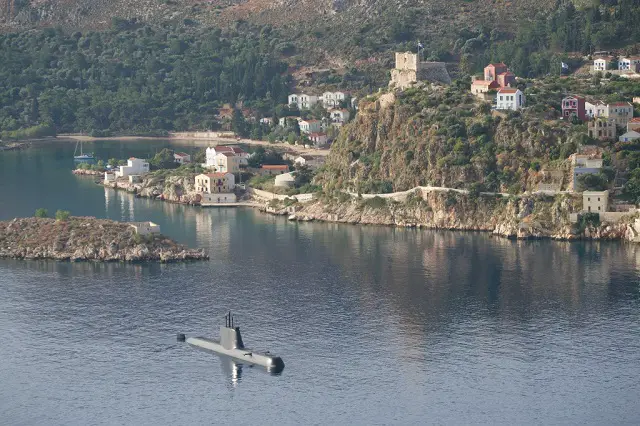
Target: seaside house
[[135, 166], [621, 113], [182, 157], [510, 99], [310, 126], [574, 106], [595, 201], [633, 124], [629, 136], [272, 169], [211, 153], [109, 177], [215, 183], [145, 228], [332, 99], [629, 63], [602, 129], [602, 63], [227, 162]]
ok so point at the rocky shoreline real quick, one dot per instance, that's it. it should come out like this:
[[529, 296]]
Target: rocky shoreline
[[88, 239], [527, 217]]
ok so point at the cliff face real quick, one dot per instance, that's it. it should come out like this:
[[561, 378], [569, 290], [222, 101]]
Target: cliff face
[[512, 217], [87, 239], [443, 137]]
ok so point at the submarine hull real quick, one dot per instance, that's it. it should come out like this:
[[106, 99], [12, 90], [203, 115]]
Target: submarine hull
[[244, 355]]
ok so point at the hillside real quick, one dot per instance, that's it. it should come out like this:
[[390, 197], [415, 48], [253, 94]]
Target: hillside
[[446, 137]]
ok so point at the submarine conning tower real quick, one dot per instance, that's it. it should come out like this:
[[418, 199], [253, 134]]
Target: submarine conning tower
[[230, 337]]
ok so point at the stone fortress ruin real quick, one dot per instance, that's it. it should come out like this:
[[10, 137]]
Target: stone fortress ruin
[[410, 70]]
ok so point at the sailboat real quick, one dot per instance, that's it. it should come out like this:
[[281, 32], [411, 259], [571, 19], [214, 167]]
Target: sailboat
[[82, 156]]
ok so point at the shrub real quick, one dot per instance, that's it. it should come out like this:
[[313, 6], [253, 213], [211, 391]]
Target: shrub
[[62, 215], [42, 213], [375, 202]]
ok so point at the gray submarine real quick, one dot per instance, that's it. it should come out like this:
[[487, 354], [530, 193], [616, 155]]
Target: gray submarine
[[231, 345]]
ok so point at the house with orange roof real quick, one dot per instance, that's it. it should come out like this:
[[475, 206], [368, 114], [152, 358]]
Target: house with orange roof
[[509, 99], [310, 126], [480, 88], [634, 124], [492, 71], [506, 79]]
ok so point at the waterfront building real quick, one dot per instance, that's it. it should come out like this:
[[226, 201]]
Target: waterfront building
[[135, 166], [227, 162], [215, 182], [595, 201]]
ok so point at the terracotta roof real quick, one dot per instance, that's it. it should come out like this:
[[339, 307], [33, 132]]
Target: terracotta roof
[[499, 64], [573, 97], [275, 167], [311, 121], [621, 104], [507, 90], [228, 154], [633, 58], [223, 148], [216, 175], [506, 73], [181, 154], [317, 134], [485, 83], [635, 120], [606, 58]]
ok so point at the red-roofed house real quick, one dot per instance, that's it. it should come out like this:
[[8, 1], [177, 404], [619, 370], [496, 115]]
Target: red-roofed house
[[318, 138], [273, 169], [507, 79], [181, 157], [492, 71], [573, 105], [621, 112], [227, 162], [634, 124], [510, 98], [481, 87]]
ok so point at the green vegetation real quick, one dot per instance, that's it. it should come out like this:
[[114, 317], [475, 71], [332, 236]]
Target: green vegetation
[[133, 79], [42, 213], [62, 215]]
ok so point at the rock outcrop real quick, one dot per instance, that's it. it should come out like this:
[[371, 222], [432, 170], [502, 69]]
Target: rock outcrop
[[525, 217], [87, 239]]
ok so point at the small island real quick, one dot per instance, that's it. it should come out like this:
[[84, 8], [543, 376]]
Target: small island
[[72, 238]]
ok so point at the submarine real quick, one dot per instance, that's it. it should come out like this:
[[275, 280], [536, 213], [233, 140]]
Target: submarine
[[231, 345]]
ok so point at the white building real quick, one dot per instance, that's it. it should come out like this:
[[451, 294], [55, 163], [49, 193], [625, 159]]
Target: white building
[[332, 99], [318, 138], [182, 157], [135, 166], [602, 64], [284, 121], [302, 100], [629, 136], [596, 110], [109, 177], [145, 228], [630, 63], [267, 121], [310, 126], [285, 180], [212, 152], [509, 98], [595, 201], [339, 115], [227, 162]]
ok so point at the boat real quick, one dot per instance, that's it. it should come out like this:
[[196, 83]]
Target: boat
[[82, 156]]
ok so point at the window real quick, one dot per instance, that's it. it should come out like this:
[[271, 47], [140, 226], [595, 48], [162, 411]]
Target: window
[[598, 198], [589, 199], [598, 208]]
